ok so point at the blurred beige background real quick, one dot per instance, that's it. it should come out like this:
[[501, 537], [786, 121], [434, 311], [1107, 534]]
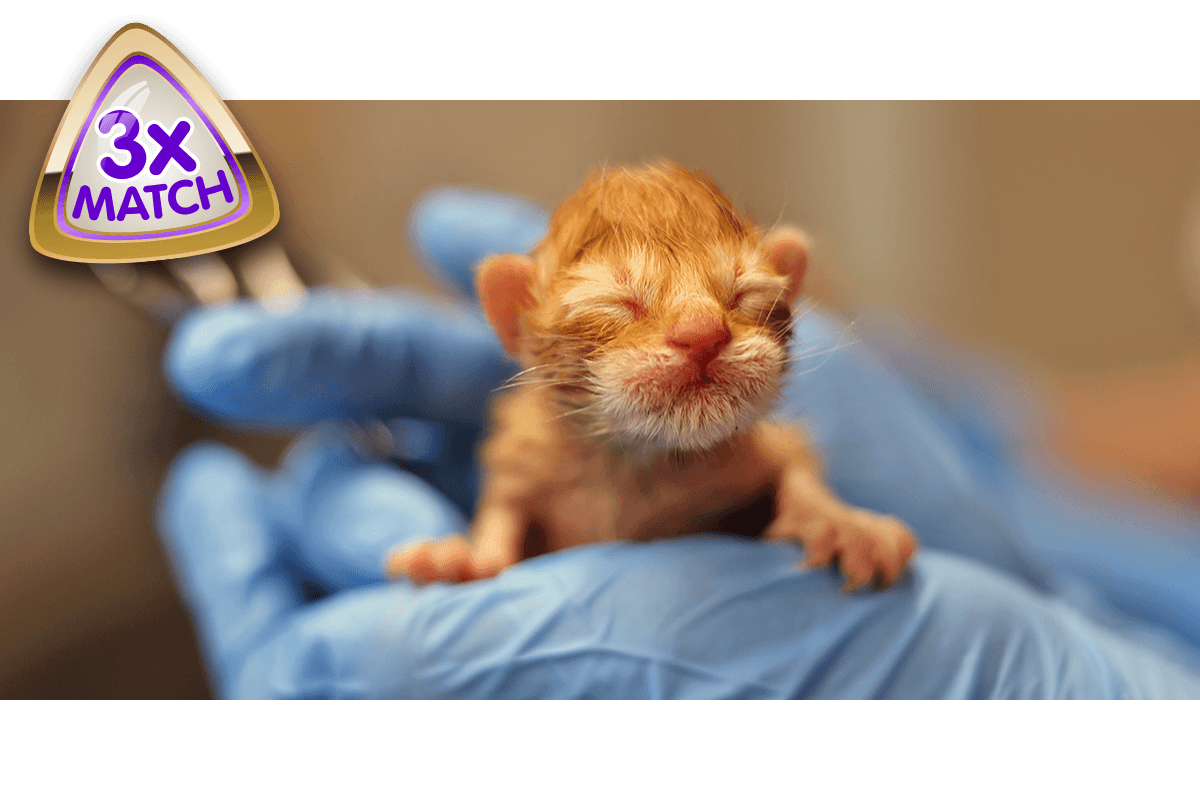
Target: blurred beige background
[[1063, 234]]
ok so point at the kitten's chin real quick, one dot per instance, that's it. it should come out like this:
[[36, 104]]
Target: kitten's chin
[[673, 432], [657, 401]]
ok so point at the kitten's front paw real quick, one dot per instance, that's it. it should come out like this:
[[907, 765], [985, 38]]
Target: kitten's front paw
[[451, 559], [868, 547]]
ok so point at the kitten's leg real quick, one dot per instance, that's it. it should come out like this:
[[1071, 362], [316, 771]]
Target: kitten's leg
[[867, 546], [494, 546], [497, 536]]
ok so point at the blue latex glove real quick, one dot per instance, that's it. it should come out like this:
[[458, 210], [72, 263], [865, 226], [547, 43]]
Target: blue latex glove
[[283, 571]]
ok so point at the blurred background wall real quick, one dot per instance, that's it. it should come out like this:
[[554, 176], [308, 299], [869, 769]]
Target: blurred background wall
[[1066, 235]]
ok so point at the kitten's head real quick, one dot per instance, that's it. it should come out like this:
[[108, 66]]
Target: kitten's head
[[654, 310]]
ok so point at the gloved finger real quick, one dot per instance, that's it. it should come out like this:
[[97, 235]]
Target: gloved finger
[[888, 448], [442, 454], [612, 621], [227, 553], [703, 617], [455, 228], [337, 355], [343, 510], [993, 404], [1142, 559]]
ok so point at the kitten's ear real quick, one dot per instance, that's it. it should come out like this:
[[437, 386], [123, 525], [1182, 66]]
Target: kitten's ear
[[786, 249], [504, 285]]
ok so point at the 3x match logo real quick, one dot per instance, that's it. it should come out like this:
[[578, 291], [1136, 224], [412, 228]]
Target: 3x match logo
[[157, 167], [136, 176]]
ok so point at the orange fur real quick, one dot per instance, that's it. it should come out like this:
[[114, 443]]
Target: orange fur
[[653, 322]]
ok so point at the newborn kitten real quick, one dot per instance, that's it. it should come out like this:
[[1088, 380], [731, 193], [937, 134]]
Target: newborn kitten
[[653, 322]]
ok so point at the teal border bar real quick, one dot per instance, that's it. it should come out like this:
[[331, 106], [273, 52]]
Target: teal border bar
[[595, 750], [631, 49]]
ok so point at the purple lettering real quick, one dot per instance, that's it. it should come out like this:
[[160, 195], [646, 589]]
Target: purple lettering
[[127, 141], [132, 203], [172, 198], [156, 191], [172, 147], [222, 187], [103, 200]]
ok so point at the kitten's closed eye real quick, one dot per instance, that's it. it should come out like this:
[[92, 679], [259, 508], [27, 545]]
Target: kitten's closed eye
[[763, 305], [583, 303]]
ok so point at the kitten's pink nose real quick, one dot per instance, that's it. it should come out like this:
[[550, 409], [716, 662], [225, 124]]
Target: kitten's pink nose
[[701, 337]]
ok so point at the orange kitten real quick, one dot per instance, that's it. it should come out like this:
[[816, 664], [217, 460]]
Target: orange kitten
[[652, 322]]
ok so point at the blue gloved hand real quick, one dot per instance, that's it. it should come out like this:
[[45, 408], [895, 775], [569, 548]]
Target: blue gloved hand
[[283, 571]]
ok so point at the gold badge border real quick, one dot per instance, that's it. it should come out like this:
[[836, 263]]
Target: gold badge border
[[138, 39]]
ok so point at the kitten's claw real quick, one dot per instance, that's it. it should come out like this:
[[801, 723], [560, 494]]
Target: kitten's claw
[[869, 547], [452, 559], [447, 559]]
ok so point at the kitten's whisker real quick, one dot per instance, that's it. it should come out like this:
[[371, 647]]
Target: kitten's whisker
[[813, 352], [572, 412], [531, 369], [838, 345], [549, 380], [782, 208]]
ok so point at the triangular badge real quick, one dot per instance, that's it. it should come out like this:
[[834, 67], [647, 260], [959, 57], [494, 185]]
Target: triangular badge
[[148, 163]]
